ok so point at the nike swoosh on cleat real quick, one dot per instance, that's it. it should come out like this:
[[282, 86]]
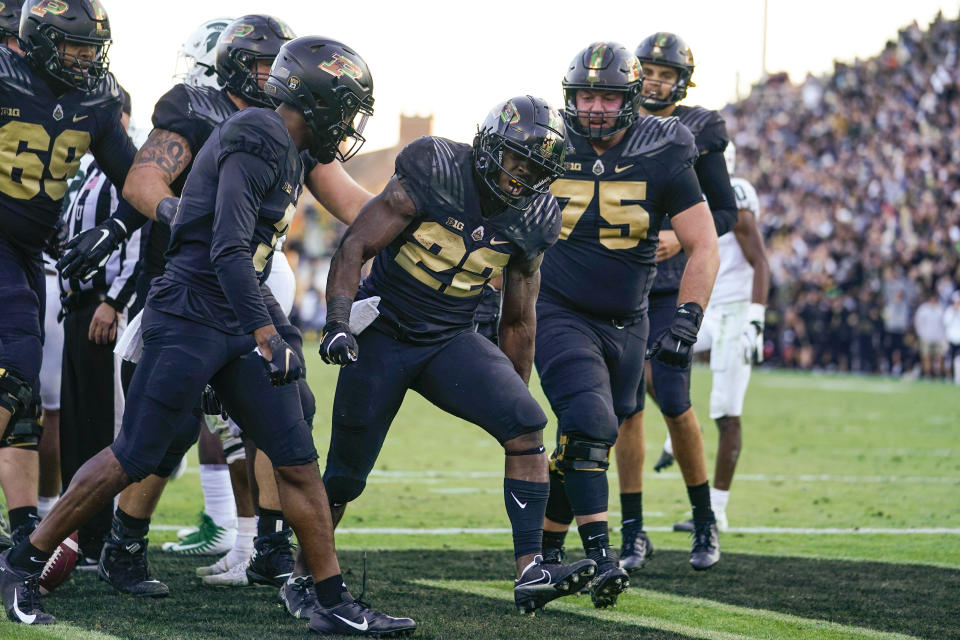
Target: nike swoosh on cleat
[[23, 617], [544, 578], [358, 627], [522, 505]]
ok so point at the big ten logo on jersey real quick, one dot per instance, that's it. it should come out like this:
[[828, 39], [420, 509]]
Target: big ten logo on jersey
[[21, 166], [453, 222], [619, 207], [438, 258], [265, 250]]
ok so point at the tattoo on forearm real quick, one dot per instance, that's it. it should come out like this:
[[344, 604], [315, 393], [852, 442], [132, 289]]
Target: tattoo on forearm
[[165, 150]]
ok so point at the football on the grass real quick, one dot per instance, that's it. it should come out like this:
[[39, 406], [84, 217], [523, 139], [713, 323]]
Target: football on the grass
[[60, 564]]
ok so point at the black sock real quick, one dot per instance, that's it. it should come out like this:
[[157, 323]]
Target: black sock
[[553, 539], [21, 516], [700, 501], [270, 521], [127, 526], [526, 504], [28, 558], [631, 509], [594, 535], [329, 591]]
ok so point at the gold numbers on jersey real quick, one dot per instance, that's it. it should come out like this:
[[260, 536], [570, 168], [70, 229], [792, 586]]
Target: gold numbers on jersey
[[264, 251], [437, 249], [21, 169], [628, 220]]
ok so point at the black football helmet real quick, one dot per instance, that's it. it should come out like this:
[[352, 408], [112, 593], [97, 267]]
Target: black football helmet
[[607, 66], [670, 50], [245, 41], [45, 25], [9, 19], [330, 84], [529, 128]]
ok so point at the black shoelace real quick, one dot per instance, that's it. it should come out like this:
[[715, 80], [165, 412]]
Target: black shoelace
[[702, 538]]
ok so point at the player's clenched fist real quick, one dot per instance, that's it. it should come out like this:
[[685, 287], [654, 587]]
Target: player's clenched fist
[[284, 365], [674, 346], [338, 345]]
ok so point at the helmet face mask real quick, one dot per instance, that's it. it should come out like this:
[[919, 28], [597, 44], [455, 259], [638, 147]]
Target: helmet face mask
[[603, 67], [53, 33], [245, 51], [331, 86], [668, 50], [518, 151]]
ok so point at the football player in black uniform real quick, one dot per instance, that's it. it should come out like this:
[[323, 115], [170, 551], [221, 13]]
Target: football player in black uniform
[[667, 65], [623, 177], [451, 218], [206, 314], [58, 102]]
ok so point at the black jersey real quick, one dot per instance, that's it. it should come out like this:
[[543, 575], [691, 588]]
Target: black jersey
[[431, 276], [238, 200], [613, 206], [710, 133], [42, 138]]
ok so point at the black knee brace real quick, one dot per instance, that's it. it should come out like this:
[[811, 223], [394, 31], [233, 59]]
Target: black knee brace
[[575, 454], [24, 430], [16, 394]]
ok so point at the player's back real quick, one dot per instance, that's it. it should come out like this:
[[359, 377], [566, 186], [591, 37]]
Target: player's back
[[202, 230], [613, 206], [44, 137], [431, 276]]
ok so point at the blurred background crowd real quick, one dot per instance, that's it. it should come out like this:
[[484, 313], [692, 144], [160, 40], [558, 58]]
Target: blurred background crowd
[[859, 181]]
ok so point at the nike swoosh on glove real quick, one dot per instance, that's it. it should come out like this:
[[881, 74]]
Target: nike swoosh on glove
[[284, 364], [338, 345], [86, 253]]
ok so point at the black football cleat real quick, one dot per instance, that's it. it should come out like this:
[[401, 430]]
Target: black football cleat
[[684, 525], [541, 582], [706, 547], [123, 563], [664, 461], [298, 596], [272, 563], [353, 617], [610, 580], [21, 594], [636, 549]]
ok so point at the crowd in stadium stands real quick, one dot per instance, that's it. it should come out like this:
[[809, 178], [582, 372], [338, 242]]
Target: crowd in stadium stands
[[859, 178]]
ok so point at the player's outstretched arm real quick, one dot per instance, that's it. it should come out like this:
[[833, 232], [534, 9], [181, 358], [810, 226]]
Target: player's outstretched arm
[[339, 193], [379, 222], [518, 320], [161, 159]]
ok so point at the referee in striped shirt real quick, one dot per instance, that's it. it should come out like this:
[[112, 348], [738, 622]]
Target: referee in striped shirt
[[92, 310]]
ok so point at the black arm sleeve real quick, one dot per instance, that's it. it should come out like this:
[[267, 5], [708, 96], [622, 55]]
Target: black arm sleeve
[[114, 152], [712, 173], [244, 180]]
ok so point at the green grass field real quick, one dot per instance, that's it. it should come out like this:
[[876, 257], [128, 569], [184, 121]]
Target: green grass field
[[845, 523]]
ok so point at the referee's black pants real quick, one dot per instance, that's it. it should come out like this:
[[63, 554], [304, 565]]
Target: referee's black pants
[[86, 411]]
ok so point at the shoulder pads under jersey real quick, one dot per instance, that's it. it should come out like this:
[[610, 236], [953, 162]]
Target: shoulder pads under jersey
[[207, 103], [653, 135], [536, 229], [107, 94], [15, 75]]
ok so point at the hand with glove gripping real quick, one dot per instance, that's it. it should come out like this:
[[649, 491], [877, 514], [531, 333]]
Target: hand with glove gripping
[[283, 365], [338, 346], [674, 346], [86, 253]]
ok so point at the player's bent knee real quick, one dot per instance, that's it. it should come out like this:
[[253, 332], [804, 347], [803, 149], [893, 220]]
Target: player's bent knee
[[341, 490], [577, 454], [591, 414], [16, 394], [23, 434], [674, 400]]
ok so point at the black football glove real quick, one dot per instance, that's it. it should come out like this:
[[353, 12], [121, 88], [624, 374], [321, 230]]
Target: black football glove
[[338, 345], [167, 210], [88, 251], [674, 346], [285, 365], [210, 403]]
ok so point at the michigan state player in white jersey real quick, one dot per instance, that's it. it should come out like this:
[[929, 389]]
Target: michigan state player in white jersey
[[732, 332]]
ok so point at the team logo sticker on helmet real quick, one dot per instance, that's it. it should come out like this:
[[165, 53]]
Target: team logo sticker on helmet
[[509, 113], [99, 13], [56, 7], [239, 31], [340, 66], [293, 83]]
